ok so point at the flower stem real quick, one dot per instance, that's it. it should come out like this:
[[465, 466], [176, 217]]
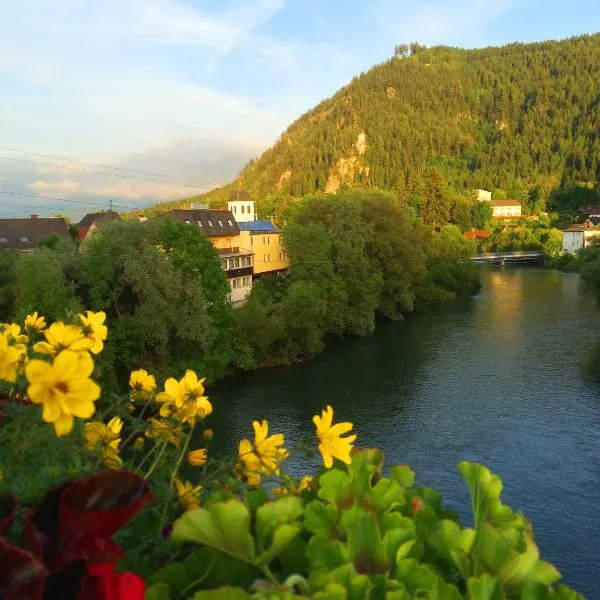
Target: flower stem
[[157, 459], [269, 574]]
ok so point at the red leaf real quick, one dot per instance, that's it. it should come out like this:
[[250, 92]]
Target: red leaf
[[22, 576], [103, 583], [8, 511]]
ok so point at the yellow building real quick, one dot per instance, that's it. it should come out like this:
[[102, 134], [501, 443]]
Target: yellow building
[[263, 239], [221, 228], [503, 209]]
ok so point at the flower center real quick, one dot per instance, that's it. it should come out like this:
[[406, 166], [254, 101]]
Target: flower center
[[61, 386]]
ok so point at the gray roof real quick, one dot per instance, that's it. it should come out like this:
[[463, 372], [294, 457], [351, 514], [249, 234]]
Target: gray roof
[[212, 223], [90, 218], [25, 234], [240, 195]]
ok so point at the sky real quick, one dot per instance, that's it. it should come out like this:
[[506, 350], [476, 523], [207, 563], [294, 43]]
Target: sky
[[177, 95]]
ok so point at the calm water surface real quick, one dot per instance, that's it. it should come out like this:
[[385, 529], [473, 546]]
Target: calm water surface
[[509, 378]]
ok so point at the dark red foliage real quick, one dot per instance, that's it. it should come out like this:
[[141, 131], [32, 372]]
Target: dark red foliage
[[8, 512], [22, 576], [71, 534]]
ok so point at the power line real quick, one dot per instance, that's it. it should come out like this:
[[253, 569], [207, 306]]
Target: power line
[[91, 172], [198, 183], [103, 204]]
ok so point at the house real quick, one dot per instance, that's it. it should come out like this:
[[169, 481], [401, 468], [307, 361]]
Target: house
[[220, 227], [242, 206], [577, 237], [483, 195], [476, 235], [26, 234], [503, 209], [264, 239], [92, 220]]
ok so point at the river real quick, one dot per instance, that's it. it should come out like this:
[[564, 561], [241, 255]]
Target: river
[[509, 378]]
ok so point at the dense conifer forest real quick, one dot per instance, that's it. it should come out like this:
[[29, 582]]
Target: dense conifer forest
[[522, 118]]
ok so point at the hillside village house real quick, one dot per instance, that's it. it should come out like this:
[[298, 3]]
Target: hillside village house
[[220, 227], [91, 221], [503, 209], [261, 237], [578, 237], [26, 234]]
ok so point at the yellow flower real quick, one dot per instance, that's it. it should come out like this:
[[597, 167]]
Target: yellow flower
[[94, 328], [304, 484], [197, 458], [12, 332], [331, 444], [63, 388], [184, 399], [162, 431], [188, 494], [264, 456], [35, 322], [142, 381], [10, 359], [138, 444], [107, 438], [63, 337]]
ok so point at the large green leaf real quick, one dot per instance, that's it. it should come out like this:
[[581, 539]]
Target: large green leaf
[[403, 475], [283, 535], [320, 518], [224, 526], [224, 593], [174, 576], [157, 591], [387, 494], [271, 515], [325, 553], [396, 539], [334, 486], [484, 588], [423, 582], [454, 545], [364, 540], [357, 586]]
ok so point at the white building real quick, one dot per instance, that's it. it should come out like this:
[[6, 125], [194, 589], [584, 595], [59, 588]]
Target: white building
[[502, 209], [242, 207], [578, 237], [484, 195]]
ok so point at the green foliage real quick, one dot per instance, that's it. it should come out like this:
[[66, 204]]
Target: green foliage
[[360, 535], [516, 118], [8, 260]]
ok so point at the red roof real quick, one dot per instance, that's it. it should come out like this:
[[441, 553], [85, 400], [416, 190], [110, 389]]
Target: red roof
[[472, 235]]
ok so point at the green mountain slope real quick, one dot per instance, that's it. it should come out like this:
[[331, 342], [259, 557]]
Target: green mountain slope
[[512, 117]]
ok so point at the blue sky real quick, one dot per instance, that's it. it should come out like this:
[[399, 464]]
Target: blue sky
[[195, 88]]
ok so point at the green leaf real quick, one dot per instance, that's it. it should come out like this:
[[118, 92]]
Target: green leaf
[[396, 538], [364, 541], [356, 585], [174, 576], [387, 494], [403, 475], [283, 536], [256, 498], [454, 545], [333, 591], [210, 568], [325, 553], [484, 588], [224, 526], [224, 593], [158, 591], [320, 518], [562, 592], [271, 515], [334, 486], [293, 558]]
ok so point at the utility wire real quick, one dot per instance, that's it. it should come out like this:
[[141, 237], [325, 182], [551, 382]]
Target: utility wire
[[198, 183], [91, 172], [103, 204]]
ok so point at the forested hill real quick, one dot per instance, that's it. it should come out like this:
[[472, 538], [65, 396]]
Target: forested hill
[[510, 117]]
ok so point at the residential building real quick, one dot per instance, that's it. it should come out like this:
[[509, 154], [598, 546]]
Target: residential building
[[242, 206], [483, 195], [26, 234], [264, 239], [503, 209], [220, 227], [578, 237], [91, 221]]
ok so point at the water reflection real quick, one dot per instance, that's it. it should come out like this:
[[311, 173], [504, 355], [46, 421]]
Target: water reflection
[[508, 378]]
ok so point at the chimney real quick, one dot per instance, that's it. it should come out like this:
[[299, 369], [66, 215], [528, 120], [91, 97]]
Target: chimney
[[34, 216]]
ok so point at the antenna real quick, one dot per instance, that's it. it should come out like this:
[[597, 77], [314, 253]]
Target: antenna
[[110, 205]]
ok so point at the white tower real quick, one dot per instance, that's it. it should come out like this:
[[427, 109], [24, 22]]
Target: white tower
[[242, 210]]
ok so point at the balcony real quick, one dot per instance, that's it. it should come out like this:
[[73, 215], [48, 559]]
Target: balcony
[[236, 262]]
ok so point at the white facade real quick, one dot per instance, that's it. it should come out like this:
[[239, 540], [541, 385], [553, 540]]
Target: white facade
[[506, 210], [578, 238], [484, 196], [240, 289], [243, 210]]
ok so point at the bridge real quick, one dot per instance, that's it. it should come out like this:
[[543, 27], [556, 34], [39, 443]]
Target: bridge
[[501, 258]]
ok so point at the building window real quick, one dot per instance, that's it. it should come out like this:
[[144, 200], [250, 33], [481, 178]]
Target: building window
[[267, 258], [210, 223], [224, 264], [249, 209], [3, 240], [199, 223], [247, 281], [229, 222], [281, 256], [242, 211], [220, 222], [24, 238], [236, 262], [252, 241], [187, 221], [233, 207]]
